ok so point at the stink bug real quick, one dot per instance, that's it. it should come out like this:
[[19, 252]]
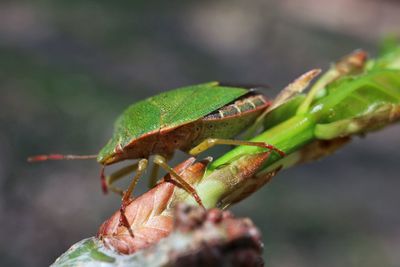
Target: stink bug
[[191, 119]]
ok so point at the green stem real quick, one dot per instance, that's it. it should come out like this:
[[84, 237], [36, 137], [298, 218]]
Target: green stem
[[287, 136]]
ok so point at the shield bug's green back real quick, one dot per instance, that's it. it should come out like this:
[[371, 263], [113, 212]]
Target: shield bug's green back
[[167, 111]]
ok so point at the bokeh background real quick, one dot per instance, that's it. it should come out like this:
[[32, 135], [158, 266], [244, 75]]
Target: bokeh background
[[68, 68]]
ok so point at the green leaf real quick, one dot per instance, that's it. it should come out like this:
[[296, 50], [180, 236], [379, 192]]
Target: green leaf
[[88, 251]]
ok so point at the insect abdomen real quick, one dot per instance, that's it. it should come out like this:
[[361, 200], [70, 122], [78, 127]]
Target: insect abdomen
[[245, 104]]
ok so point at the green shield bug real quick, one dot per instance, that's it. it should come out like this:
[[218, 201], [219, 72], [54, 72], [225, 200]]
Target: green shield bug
[[191, 119]]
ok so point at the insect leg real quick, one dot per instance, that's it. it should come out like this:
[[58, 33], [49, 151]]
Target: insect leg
[[154, 175], [141, 167], [210, 142], [110, 179], [162, 162], [154, 172]]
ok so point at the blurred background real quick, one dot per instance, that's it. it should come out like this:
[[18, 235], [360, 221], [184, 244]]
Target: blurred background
[[68, 68]]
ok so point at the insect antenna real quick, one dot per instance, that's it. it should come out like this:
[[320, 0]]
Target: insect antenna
[[38, 158]]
